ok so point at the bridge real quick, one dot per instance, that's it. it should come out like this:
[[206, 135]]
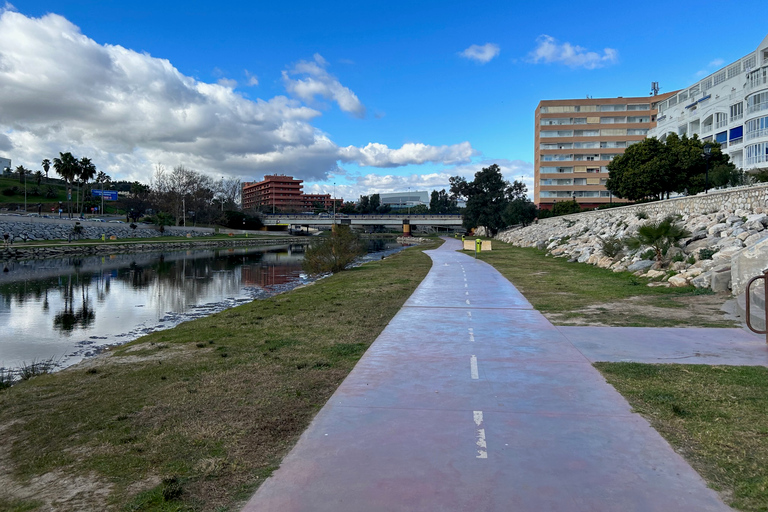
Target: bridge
[[426, 222]]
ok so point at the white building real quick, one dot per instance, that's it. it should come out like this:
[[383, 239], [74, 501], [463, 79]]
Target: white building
[[729, 106], [4, 163], [405, 199]]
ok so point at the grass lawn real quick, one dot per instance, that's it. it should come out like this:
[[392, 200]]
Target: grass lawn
[[715, 416], [195, 417], [577, 293]]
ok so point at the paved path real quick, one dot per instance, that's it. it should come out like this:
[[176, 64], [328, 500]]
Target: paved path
[[470, 400]]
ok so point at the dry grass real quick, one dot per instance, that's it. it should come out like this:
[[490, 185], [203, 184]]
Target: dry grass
[[195, 417]]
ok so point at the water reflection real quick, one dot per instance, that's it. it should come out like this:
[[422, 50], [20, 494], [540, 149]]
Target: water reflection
[[67, 308]]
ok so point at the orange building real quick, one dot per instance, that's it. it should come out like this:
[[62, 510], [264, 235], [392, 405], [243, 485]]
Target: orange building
[[278, 193], [575, 141]]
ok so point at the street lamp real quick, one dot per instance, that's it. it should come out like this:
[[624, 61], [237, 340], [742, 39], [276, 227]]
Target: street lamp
[[707, 155]]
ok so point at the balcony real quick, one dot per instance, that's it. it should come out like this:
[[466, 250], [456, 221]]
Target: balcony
[[757, 108]]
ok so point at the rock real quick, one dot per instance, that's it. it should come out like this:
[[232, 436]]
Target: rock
[[753, 239], [640, 265], [702, 280], [717, 228], [653, 274], [657, 284], [721, 280], [678, 281], [754, 225], [697, 235]]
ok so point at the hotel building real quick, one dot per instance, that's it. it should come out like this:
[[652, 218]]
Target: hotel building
[[576, 139], [278, 193], [729, 107]]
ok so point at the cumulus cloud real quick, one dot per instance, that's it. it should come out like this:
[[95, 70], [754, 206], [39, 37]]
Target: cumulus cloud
[[481, 54], [549, 50], [316, 81], [62, 91], [253, 80], [380, 155]]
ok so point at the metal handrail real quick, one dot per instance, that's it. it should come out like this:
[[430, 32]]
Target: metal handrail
[[764, 277]]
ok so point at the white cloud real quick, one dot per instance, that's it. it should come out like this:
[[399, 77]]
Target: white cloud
[[227, 82], [550, 50], [380, 155], [253, 80], [317, 81], [7, 7], [710, 68], [482, 53], [61, 91]]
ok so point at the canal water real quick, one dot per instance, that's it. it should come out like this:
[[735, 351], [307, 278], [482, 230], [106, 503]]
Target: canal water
[[68, 309]]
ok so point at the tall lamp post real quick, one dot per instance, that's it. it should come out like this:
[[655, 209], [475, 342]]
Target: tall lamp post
[[707, 155]]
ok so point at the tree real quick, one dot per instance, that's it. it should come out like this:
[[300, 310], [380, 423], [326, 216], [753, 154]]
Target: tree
[[22, 173], [441, 203], [38, 177], [85, 174], [565, 208], [486, 196], [67, 167], [519, 211], [46, 166], [334, 253], [518, 190]]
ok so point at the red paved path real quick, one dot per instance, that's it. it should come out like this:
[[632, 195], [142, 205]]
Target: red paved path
[[470, 400]]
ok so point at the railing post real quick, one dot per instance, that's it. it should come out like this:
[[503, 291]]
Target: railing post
[[748, 312]]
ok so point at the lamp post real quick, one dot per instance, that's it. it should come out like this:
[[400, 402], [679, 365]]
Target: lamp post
[[707, 155]]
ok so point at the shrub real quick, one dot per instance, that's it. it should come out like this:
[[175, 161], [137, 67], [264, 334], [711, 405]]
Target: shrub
[[658, 235], [10, 191], [678, 257], [691, 259], [611, 246], [648, 255], [706, 254], [334, 253], [641, 215], [35, 368]]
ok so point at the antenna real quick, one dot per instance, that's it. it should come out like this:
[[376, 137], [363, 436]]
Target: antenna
[[655, 88]]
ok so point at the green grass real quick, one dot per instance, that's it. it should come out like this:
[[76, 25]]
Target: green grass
[[213, 404], [571, 292], [6, 183], [715, 416]]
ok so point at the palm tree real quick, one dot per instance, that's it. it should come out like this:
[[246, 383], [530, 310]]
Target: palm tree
[[86, 173], [38, 177], [658, 235], [68, 168], [46, 165]]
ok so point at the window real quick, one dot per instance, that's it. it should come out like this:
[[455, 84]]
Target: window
[[721, 137], [580, 181], [613, 132], [555, 182], [592, 170], [757, 128], [693, 91], [757, 102], [586, 133], [734, 69], [612, 120], [612, 108], [637, 131], [638, 119], [682, 96], [559, 133], [737, 111], [721, 120], [586, 145], [719, 78], [756, 153], [614, 144], [557, 110], [588, 158], [555, 170], [586, 108], [608, 156], [556, 158], [639, 106], [706, 85], [672, 101]]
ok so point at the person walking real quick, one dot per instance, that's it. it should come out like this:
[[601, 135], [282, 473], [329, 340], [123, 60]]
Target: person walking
[[6, 239]]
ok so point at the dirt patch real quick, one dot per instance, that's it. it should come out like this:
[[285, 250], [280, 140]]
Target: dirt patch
[[682, 311]]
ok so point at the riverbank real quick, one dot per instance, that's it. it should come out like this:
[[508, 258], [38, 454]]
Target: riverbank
[[61, 248], [195, 417]]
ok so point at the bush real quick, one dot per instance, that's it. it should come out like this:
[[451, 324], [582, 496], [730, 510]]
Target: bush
[[10, 191], [641, 215], [691, 259], [611, 246], [648, 255], [678, 257], [706, 254], [334, 253], [658, 235]]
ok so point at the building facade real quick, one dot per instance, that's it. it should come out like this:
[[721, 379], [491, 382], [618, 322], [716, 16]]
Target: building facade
[[5, 163], [409, 199], [576, 139], [729, 107], [279, 193]]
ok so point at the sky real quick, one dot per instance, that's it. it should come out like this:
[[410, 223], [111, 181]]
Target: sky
[[355, 98]]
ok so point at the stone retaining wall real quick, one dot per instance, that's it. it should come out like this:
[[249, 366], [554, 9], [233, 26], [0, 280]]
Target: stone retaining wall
[[62, 229], [722, 224]]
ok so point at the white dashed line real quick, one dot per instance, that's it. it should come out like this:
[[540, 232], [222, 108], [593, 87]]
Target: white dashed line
[[482, 447], [469, 314], [468, 301], [473, 368], [471, 335]]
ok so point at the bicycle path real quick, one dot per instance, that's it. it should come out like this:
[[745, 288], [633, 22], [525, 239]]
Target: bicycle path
[[470, 400]]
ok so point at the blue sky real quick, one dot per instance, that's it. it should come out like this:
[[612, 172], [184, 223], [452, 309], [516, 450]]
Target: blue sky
[[373, 96]]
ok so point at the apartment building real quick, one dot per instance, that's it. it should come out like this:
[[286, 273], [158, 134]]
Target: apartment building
[[576, 139], [279, 193], [728, 107]]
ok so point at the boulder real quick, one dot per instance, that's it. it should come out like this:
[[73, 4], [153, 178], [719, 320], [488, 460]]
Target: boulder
[[678, 281], [721, 280], [717, 228], [640, 265]]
